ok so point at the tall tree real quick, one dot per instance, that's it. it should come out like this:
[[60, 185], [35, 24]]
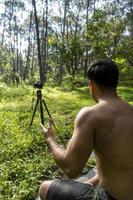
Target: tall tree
[[87, 38], [27, 66], [45, 36], [41, 68]]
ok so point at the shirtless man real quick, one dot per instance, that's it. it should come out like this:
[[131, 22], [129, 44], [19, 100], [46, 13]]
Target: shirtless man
[[106, 128]]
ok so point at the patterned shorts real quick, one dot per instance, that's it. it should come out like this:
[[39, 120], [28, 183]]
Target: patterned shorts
[[73, 190]]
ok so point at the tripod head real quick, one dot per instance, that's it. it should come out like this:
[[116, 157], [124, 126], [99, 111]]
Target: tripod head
[[38, 85]]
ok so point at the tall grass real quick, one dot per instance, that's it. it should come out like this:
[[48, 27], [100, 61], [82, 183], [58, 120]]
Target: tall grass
[[24, 157]]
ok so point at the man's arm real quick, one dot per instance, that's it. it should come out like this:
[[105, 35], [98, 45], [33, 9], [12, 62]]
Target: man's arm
[[73, 159]]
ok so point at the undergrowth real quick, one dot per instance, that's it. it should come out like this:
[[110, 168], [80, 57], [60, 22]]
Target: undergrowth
[[24, 157]]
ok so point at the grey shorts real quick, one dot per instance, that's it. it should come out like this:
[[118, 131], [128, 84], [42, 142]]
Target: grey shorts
[[73, 190]]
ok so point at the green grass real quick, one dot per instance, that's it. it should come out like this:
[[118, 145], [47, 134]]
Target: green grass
[[126, 93], [24, 157]]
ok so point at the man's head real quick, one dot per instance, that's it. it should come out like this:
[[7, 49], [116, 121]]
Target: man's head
[[104, 73]]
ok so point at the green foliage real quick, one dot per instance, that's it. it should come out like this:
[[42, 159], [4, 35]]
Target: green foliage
[[126, 92], [78, 32], [25, 160]]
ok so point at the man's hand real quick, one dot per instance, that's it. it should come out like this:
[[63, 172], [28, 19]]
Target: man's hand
[[48, 132], [93, 181], [57, 151]]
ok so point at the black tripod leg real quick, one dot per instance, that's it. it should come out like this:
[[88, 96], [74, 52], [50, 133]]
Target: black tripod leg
[[41, 112], [34, 111], [49, 115]]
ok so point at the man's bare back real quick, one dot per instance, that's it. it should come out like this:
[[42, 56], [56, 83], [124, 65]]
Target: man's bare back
[[106, 128], [114, 146]]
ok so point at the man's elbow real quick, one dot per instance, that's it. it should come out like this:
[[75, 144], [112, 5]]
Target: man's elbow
[[69, 169], [72, 173]]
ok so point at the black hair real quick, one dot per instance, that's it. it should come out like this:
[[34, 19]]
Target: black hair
[[104, 72]]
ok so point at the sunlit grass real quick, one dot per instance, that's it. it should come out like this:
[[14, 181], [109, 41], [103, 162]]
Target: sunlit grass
[[126, 92], [24, 157]]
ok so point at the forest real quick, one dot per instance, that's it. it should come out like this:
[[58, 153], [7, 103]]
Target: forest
[[52, 42], [44, 40]]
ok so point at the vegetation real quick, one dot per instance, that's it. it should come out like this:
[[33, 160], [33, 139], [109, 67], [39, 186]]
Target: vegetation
[[51, 39], [53, 42], [24, 157]]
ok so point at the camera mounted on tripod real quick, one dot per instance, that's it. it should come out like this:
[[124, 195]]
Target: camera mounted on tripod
[[41, 101], [38, 85]]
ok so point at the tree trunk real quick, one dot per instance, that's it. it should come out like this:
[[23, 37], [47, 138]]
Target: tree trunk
[[11, 43], [64, 20], [45, 38], [131, 11], [41, 69], [87, 40], [27, 67]]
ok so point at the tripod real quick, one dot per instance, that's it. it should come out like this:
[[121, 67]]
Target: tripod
[[42, 103]]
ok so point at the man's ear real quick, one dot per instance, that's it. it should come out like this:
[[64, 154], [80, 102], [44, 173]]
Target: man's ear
[[91, 84]]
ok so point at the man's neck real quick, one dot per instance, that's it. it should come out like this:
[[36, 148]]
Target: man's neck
[[107, 95]]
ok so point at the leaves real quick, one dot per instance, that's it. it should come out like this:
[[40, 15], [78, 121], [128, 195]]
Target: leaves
[[24, 157], [25, 160]]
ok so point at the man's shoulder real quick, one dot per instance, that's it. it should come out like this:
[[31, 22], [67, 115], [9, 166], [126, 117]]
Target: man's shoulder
[[88, 112], [131, 107], [88, 109]]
